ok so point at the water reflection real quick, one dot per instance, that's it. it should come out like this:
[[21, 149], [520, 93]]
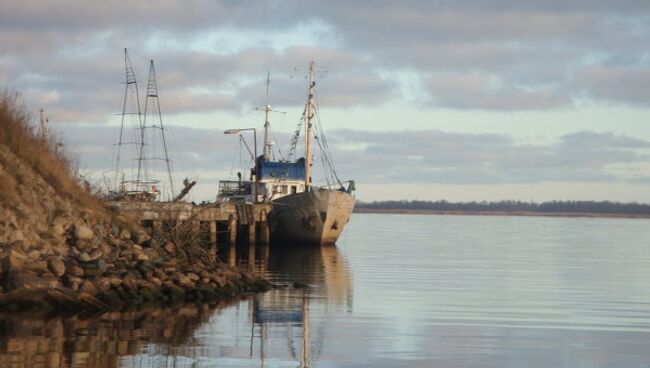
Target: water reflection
[[276, 326], [287, 324], [97, 341]]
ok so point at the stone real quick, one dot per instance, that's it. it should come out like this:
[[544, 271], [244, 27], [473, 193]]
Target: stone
[[84, 257], [141, 257], [34, 255], [125, 234], [22, 245], [186, 282], [88, 287], [170, 248], [76, 271], [116, 281], [115, 230], [96, 254], [194, 277], [102, 266], [104, 285], [140, 237], [156, 281], [99, 230], [37, 266], [13, 261], [82, 232], [56, 266]]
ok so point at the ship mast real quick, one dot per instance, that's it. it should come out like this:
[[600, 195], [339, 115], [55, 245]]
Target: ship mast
[[267, 152], [308, 116], [267, 108]]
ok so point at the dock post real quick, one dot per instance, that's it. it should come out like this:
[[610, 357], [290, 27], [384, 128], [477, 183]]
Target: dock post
[[232, 230], [213, 236], [196, 227]]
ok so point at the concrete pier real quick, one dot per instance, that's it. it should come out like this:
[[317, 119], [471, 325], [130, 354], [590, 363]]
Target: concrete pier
[[203, 218]]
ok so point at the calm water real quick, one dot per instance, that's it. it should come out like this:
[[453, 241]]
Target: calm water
[[398, 291]]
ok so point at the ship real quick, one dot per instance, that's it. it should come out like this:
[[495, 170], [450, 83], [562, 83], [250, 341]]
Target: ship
[[302, 212]]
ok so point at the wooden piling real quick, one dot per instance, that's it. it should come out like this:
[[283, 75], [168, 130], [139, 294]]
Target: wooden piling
[[232, 230], [213, 236]]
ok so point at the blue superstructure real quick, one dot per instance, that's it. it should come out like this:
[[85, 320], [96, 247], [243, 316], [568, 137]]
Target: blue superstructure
[[281, 170]]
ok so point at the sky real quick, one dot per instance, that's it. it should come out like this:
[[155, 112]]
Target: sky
[[471, 100]]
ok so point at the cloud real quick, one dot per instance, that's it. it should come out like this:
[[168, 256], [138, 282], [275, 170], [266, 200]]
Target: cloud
[[463, 158], [476, 91], [544, 55], [617, 83]]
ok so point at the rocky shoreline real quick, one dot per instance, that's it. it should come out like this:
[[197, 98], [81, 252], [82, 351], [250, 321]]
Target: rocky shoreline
[[61, 249], [110, 268]]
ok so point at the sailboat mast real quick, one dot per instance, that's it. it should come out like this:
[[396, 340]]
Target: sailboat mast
[[267, 108], [309, 115]]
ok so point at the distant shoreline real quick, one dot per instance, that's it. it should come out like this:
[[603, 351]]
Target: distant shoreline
[[496, 213]]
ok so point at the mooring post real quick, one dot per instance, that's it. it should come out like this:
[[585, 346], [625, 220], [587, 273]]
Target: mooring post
[[213, 236], [232, 230]]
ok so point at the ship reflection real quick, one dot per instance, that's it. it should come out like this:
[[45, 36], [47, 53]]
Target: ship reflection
[[287, 324], [290, 322]]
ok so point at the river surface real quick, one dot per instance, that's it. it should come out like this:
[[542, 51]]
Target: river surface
[[397, 291]]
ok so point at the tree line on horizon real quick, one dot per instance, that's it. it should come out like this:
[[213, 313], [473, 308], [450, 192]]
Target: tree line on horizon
[[608, 207]]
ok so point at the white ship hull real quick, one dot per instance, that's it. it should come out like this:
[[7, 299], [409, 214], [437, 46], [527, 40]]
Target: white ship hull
[[316, 217]]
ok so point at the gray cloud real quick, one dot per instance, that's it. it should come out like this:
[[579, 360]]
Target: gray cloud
[[543, 54], [443, 157]]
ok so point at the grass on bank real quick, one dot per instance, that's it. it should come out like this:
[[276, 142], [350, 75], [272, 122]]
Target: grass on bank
[[44, 154]]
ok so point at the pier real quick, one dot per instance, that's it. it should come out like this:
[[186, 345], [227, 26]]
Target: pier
[[221, 223]]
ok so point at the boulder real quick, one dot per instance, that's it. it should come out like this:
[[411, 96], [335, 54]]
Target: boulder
[[125, 234], [88, 287], [140, 237], [56, 266], [170, 248], [13, 261], [82, 232]]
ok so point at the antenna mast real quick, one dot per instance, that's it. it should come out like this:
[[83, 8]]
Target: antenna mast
[[308, 116], [152, 97], [130, 85], [267, 109]]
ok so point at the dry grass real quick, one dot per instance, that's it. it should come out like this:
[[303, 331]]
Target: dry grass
[[39, 153], [190, 244]]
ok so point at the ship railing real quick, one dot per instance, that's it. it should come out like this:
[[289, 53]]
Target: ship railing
[[234, 187], [351, 186]]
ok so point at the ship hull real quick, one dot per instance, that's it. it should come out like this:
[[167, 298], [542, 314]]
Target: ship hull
[[316, 217]]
